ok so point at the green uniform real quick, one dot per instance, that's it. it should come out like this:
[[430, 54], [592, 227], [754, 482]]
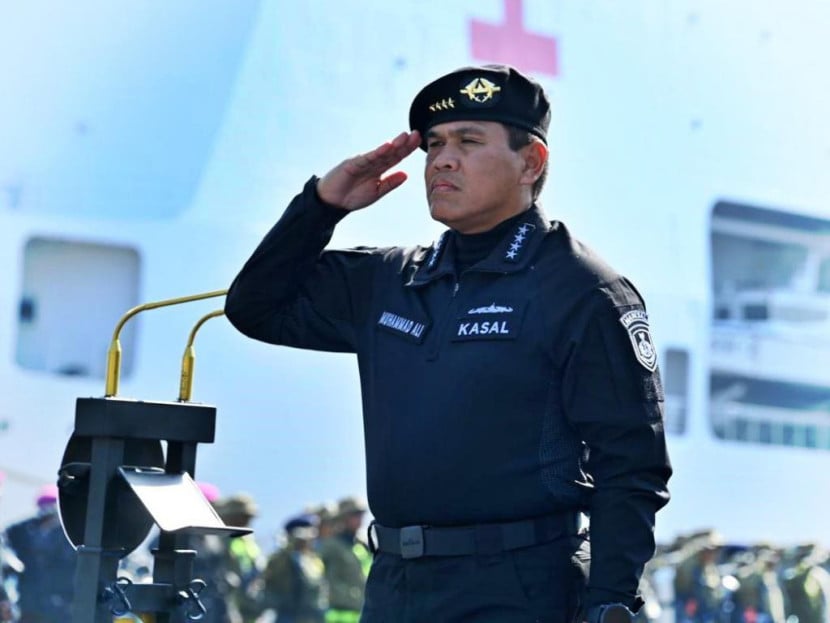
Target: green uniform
[[761, 592], [244, 565], [294, 585], [347, 562], [807, 587]]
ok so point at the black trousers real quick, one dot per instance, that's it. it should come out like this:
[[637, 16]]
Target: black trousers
[[539, 584]]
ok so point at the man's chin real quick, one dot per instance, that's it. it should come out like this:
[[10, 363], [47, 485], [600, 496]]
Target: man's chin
[[442, 212]]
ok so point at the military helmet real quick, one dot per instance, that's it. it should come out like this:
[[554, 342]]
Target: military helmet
[[326, 512], [240, 504], [350, 506]]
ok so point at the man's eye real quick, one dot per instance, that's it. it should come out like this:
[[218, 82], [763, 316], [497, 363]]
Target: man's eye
[[432, 144], [469, 140]]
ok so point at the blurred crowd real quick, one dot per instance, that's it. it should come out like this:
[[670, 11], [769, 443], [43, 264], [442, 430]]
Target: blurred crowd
[[316, 569], [699, 578]]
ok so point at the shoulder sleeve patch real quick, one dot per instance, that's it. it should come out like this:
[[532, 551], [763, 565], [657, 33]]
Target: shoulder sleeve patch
[[636, 324]]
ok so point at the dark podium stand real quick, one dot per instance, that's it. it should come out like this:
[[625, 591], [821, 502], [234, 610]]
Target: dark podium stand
[[114, 483]]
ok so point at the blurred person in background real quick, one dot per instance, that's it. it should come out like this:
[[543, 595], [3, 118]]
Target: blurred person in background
[[760, 596], [806, 583], [210, 565], [45, 585], [697, 582], [347, 561], [243, 559], [293, 582]]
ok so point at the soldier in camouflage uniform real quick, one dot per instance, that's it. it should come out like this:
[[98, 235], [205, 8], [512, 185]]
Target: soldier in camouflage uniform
[[347, 561], [293, 581], [760, 597], [697, 581], [244, 559], [807, 584]]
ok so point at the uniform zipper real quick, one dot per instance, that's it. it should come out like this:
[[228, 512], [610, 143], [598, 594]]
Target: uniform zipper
[[435, 349]]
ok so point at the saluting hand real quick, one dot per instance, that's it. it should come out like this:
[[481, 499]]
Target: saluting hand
[[357, 182]]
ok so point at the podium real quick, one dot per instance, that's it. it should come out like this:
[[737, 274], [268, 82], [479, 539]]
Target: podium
[[115, 482]]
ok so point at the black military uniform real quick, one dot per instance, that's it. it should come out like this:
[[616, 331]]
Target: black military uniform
[[498, 401]]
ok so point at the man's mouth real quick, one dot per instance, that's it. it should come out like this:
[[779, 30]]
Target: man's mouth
[[442, 186]]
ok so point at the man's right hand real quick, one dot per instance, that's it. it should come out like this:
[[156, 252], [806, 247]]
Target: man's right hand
[[357, 182]]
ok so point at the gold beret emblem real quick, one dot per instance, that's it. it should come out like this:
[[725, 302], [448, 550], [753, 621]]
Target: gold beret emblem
[[480, 90]]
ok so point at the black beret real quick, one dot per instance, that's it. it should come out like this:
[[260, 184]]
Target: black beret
[[486, 93]]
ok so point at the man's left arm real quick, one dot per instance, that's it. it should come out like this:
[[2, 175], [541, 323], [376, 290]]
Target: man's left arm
[[613, 396]]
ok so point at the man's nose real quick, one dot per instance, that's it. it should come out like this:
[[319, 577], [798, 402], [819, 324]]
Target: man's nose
[[446, 159]]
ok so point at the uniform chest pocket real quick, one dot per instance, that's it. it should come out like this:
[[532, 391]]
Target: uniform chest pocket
[[488, 322]]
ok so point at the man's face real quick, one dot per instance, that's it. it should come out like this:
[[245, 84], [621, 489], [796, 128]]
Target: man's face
[[473, 179], [354, 521]]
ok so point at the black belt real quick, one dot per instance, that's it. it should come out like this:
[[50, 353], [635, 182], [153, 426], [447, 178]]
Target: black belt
[[482, 539]]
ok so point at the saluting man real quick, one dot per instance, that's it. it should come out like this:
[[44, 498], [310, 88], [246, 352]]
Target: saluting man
[[508, 374]]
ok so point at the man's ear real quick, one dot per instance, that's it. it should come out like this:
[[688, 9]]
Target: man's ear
[[535, 156]]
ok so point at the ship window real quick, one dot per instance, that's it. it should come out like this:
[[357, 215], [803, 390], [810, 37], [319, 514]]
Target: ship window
[[73, 294], [675, 369], [770, 412], [824, 276], [743, 263]]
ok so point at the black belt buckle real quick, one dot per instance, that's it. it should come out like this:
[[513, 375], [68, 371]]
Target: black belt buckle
[[412, 541]]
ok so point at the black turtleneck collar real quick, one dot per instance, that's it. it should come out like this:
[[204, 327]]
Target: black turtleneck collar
[[472, 248]]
